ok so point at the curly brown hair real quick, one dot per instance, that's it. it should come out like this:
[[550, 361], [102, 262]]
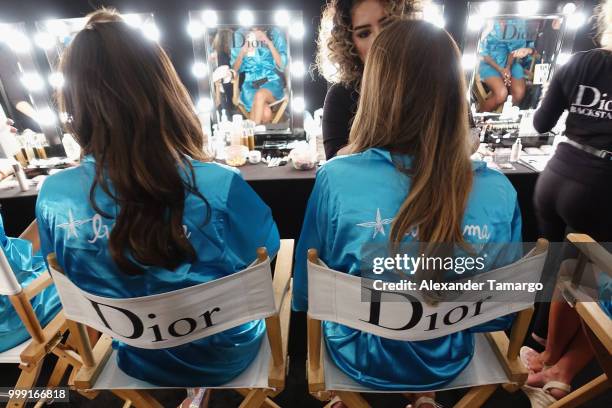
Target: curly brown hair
[[337, 58]]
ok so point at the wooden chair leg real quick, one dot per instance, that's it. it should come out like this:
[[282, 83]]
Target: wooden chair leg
[[138, 398], [476, 396], [27, 379], [601, 352], [58, 373], [352, 399], [254, 399], [267, 402], [583, 394]]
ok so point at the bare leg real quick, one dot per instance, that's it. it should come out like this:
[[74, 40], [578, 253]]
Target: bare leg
[[267, 115], [578, 355], [517, 89], [262, 98], [499, 93], [563, 326]]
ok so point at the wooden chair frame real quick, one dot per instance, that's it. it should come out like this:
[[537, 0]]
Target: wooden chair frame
[[507, 351], [45, 340], [596, 324], [277, 329], [280, 105]]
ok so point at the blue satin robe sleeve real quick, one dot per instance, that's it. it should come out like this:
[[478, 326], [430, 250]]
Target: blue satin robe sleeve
[[44, 232], [315, 234], [278, 39], [512, 254], [26, 266], [245, 234]]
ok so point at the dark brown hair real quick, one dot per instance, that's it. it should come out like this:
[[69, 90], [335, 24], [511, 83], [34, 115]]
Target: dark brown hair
[[413, 101], [128, 109]]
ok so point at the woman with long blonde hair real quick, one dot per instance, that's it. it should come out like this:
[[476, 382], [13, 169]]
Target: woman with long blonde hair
[[409, 178]]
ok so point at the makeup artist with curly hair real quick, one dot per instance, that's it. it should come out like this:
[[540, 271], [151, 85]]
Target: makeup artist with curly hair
[[348, 29]]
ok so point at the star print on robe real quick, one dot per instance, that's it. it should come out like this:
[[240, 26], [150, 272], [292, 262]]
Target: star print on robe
[[72, 224], [378, 225]]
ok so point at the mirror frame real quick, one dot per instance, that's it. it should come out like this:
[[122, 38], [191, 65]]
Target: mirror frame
[[201, 34], [477, 14], [26, 61]]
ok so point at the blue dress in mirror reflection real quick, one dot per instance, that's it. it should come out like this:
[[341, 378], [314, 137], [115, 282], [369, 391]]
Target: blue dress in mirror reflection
[[26, 266], [499, 43], [240, 223], [260, 65], [352, 205]]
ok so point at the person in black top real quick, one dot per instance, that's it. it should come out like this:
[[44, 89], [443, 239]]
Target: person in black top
[[348, 28], [573, 192]]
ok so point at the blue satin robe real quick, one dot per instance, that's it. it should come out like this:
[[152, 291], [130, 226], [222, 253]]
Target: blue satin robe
[[259, 66], [26, 267], [367, 189], [240, 223], [499, 44]]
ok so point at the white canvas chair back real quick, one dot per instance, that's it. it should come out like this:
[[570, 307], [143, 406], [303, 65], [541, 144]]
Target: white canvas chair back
[[174, 318], [337, 297]]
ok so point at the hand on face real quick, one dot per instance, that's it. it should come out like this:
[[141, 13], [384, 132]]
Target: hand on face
[[261, 36]]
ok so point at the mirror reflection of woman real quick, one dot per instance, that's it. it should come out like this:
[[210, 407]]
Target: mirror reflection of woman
[[501, 50], [262, 56], [348, 29]]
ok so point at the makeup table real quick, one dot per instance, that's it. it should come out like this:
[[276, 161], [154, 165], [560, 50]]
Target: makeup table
[[283, 188]]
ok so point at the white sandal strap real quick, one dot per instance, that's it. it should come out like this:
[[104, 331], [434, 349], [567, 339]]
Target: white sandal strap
[[424, 400], [558, 385]]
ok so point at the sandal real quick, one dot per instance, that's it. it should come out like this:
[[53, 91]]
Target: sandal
[[336, 402], [423, 401], [541, 397], [525, 354], [198, 399]]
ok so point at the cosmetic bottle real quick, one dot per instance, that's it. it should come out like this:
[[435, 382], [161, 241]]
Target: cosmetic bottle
[[507, 109], [21, 178], [517, 148]]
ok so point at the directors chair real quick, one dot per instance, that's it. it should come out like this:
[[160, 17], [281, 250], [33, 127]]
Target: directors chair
[[248, 295], [337, 297]]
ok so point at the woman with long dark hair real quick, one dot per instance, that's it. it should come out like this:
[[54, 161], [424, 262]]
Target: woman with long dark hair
[[408, 178], [146, 212]]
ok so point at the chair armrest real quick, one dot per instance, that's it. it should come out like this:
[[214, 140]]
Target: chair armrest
[[314, 364], [598, 321], [278, 373], [514, 368], [507, 350], [31, 234], [38, 285], [593, 251], [236, 87], [282, 271], [87, 376], [52, 334]]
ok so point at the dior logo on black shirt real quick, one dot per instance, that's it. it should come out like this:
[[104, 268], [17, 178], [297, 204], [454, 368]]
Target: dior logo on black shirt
[[590, 101]]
